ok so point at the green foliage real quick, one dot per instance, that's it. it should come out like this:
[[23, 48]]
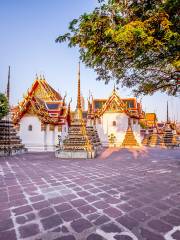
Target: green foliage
[[4, 108], [143, 126], [137, 43]]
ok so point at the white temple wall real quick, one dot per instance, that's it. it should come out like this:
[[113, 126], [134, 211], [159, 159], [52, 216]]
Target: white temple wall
[[112, 123], [136, 129], [33, 139], [37, 139], [50, 139], [105, 128]]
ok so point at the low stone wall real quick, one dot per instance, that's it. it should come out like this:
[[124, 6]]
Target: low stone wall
[[12, 152], [75, 154]]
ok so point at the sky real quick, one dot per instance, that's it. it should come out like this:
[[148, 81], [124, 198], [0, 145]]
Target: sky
[[28, 30]]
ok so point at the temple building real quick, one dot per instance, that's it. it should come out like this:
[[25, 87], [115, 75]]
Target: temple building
[[42, 117], [111, 118]]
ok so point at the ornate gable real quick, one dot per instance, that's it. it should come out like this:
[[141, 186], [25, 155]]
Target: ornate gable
[[33, 102], [113, 104]]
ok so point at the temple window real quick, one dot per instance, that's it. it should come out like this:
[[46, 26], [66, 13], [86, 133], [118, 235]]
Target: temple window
[[134, 121], [99, 121], [114, 123], [30, 128]]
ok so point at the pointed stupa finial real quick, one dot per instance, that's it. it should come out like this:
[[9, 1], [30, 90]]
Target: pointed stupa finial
[[78, 111], [79, 89], [8, 85]]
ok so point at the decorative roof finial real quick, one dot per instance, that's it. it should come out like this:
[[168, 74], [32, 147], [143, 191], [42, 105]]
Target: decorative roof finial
[[114, 89], [65, 95], [8, 85], [69, 105], [36, 76]]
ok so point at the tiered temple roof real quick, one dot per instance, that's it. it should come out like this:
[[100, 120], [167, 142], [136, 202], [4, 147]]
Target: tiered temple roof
[[42, 100], [129, 106]]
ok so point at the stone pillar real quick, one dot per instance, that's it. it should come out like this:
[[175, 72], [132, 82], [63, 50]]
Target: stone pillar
[[45, 138]]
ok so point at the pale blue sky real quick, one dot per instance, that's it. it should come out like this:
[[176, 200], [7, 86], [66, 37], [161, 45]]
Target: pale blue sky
[[28, 29]]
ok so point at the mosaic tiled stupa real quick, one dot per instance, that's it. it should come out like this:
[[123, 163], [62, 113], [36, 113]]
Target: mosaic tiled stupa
[[145, 140], [10, 143], [152, 139], [81, 141], [169, 138], [129, 139]]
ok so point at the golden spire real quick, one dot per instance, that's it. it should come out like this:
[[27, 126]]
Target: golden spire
[[8, 86], [79, 89], [78, 112]]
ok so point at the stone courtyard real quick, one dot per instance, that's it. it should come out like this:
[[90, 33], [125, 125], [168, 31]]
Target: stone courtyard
[[121, 195]]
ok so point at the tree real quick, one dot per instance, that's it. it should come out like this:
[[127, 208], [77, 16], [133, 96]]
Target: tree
[[136, 43], [4, 108]]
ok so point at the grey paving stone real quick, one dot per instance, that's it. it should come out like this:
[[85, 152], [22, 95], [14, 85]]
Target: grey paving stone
[[63, 207], [111, 227], [78, 202], [70, 215], [176, 235], [101, 220], [149, 235], [112, 212], [40, 205], [45, 212], [80, 225], [8, 235], [25, 218], [6, 224], [28, 230], [68, 237], [94, 236], [22, 210], [127, 221], [122, 237], [159, 226], [51, 221], [175, 221], [87, 209], [101, 204]]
